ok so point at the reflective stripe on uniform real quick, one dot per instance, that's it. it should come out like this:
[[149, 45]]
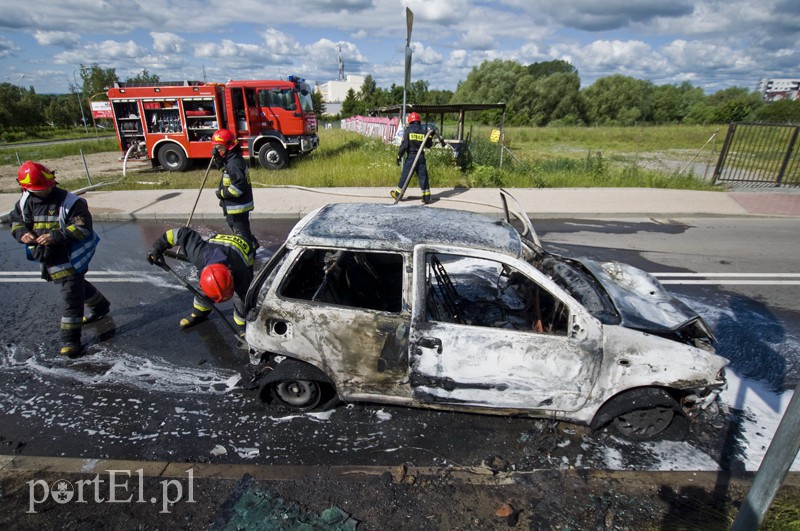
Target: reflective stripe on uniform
[[170, 235], [71, 323], [200, 305], [236, 208], [236, 243]]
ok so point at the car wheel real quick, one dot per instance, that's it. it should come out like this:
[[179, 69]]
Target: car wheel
[[273, 156], [299, 395], [172, 158], [644, 424]]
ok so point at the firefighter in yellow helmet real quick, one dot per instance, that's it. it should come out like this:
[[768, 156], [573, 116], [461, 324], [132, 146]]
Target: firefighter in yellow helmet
[[234, 191], [56, 228]]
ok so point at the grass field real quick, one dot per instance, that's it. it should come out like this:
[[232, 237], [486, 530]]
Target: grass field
[[653, 157]]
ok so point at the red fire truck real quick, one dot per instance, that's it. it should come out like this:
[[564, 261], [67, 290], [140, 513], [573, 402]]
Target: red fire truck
[[172, 122]]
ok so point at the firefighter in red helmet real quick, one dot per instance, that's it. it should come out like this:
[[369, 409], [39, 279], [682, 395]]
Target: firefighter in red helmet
[[56, 228], [234, 191], [413, 138], [225, 263]]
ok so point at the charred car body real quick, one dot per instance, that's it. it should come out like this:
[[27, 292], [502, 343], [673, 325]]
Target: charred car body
[[436, 308]]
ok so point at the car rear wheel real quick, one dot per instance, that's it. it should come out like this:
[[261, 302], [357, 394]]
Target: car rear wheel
[[299, 395]]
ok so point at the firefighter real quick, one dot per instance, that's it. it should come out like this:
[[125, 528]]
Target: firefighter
[[413, 137], [225, 262], [56, 227], [234, 191]]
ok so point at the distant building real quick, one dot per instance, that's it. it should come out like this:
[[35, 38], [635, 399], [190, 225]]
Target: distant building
[[780, 89], [334, 92]]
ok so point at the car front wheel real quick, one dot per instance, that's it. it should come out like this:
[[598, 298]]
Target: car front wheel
[[644, 424], [299, 395]]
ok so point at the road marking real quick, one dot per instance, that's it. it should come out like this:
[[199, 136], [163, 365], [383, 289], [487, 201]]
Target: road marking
[[666, 278], [730, 279]]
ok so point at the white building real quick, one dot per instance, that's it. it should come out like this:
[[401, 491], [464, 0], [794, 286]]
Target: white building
[[334, 92], [780, 89]]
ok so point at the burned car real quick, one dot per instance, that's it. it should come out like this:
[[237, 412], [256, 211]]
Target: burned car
[[437, 308]]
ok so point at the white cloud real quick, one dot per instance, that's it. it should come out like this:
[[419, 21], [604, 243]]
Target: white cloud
[[66, 39], [165, 42]]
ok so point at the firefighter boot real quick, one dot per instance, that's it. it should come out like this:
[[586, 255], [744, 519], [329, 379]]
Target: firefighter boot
[[97, 309], [72, 350], [196, 318], [395, 194], [426, 197]]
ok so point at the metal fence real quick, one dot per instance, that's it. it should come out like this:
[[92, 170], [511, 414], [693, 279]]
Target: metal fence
[[760, 155]]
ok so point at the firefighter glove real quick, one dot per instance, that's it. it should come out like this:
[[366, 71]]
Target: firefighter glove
[[220, 193], [399, 160], [155, 256]]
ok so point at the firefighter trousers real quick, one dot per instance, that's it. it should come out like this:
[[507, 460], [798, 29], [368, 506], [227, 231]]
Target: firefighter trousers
[[240, 225], [75, 292], [421, 170]]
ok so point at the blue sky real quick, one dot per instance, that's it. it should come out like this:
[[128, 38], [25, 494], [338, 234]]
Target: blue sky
[[710, 43]]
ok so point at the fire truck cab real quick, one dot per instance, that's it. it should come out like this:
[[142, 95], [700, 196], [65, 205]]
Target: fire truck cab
[[172, 122]]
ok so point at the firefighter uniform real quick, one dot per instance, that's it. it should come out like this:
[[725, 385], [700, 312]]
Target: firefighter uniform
[[235, 194], [230, 250], [66, 218], [413, 137]]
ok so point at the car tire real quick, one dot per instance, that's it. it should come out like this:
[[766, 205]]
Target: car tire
[[298, 395], [172, 158], [273, 156], [643, 414]]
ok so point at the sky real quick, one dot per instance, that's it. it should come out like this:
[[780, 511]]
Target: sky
[[712, 44]]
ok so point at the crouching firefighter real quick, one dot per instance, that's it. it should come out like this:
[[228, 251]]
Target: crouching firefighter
[[56, 227], [225, 263]]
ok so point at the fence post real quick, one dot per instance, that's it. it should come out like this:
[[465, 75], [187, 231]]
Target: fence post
[[787, 158]]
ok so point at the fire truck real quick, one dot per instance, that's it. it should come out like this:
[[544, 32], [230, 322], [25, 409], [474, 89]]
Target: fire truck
[[171, 123]]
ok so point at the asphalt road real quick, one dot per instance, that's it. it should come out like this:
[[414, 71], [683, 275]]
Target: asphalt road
[[149, 391]]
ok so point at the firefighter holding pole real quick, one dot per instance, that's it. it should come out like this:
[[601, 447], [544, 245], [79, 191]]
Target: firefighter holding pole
[[234, 191]]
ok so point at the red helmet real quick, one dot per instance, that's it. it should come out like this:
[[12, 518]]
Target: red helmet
[[413, 117], [216, 282], [225, 138], [34, 176]]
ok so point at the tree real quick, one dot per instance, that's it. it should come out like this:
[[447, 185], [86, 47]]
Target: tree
[[97, 80], [618, 100], [548, 68], [491, 82], [780, 112], [144, 78], [319, 104], [350, 104]]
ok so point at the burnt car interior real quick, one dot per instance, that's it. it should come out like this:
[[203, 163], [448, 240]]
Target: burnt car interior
[[368, 280], [486, 293]]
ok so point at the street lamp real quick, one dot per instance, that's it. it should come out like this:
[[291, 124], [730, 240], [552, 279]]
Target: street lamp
[[80, 103]]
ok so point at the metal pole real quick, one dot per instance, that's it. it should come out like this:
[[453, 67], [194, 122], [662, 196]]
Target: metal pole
[[86, 167], [80, 103], [777, 461]]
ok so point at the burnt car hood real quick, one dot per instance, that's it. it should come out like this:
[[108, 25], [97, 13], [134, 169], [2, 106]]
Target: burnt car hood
[[642, 302]]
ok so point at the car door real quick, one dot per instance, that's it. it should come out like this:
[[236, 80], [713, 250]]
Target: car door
[[343, 312], [491, 331]]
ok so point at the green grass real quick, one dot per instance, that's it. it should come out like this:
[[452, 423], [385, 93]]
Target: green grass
[[535, 158], [36, 151]]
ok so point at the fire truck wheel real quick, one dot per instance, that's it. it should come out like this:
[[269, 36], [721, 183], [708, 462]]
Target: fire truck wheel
[[273, 156], [172, 158]]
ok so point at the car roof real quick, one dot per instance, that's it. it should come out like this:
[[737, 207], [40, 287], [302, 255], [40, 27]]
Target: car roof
[[401, 228]]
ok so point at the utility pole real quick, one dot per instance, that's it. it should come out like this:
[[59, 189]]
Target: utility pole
[[80, 98], [341, 64]]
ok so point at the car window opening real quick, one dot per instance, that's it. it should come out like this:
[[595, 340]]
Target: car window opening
[[372, 281], [482, 292]]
